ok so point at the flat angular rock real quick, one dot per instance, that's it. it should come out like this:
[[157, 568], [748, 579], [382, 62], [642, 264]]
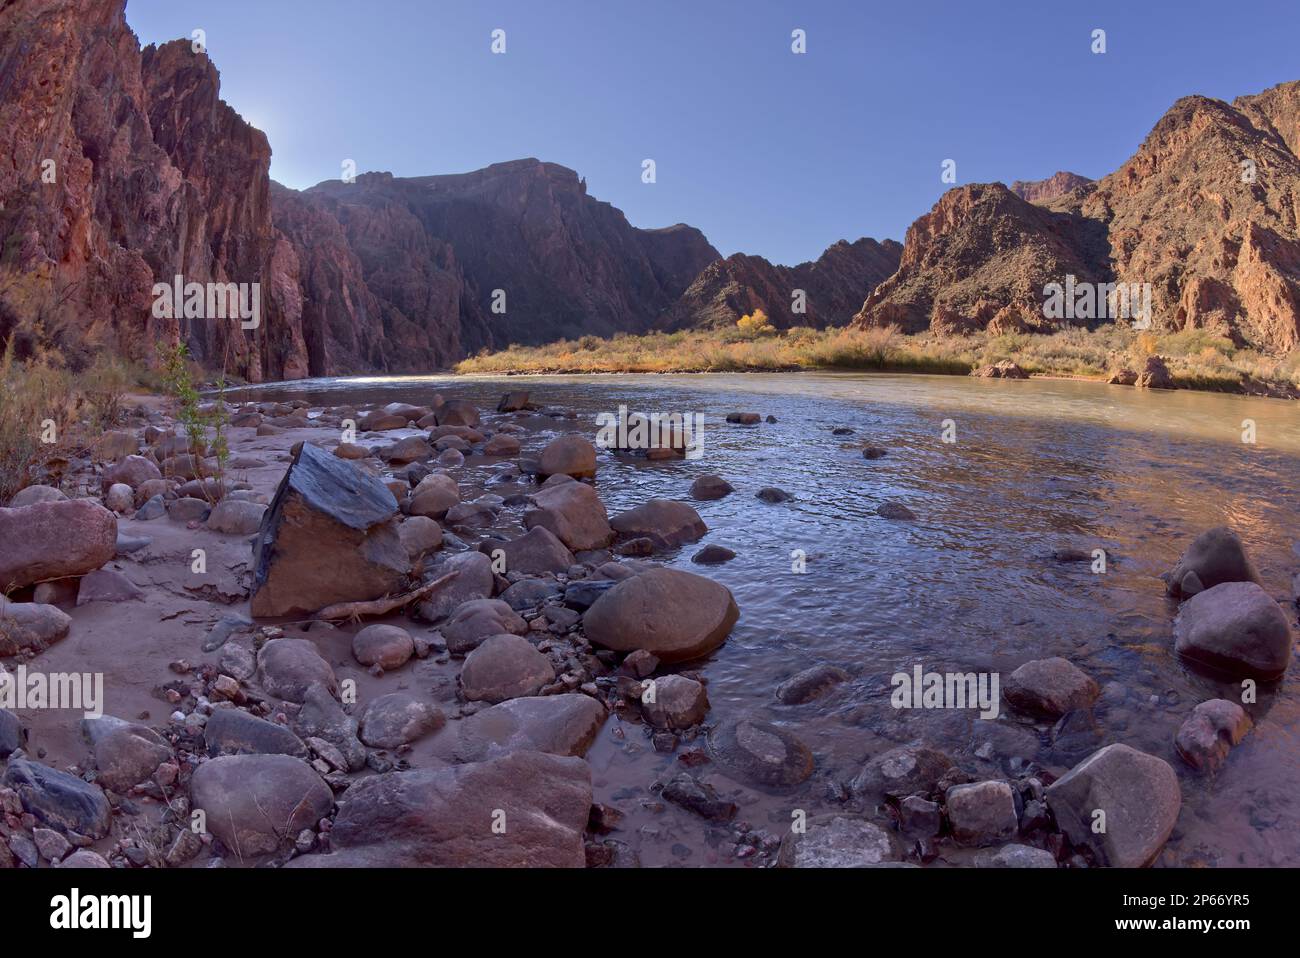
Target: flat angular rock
[[1017, 856], [665, 522], [322, 717], [12, 734], [556, 724], [1237, 628], [457, 412], [59, 800], [675, 615], [836, 841], [107, 585], [700, 798], [504, 667], [329, 536], [1050, 687], [573, 513], [444, 818], [253, 803], [678, 702], [1137, 792], [53, 540]]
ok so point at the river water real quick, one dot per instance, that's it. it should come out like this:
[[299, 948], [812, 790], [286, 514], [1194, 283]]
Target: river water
[[971, 585]]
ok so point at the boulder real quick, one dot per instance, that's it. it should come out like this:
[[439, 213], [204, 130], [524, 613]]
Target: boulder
[[58, 800], [51, 540], [1210, 732], [1236, 628], [419, 535], [513, 402], [188, 509], [398, 719], [573, 513], [504, 667], [107, 585], [761, 753], [568, 456], [982, 813], [675, 615], [330, 535], [501, 445], [663, 521], [125, 753], [253, 803], [1137, 792], [133, 471], [453, 817], [289, 667], [30, 625], [1155, 375], [457, 412], [322, 717], [479, 619], [713, 555], [810, 684], [773, 495], [709, 487], [114, 445], [119, 498], [1214, 557], [231, 731], [1050, 687], [410, 449], [900, 772], [350, 450], [836, 841], [1006, 369], [235, 518], [12, 734], [387, 646], [557, 724], [30, 495], [677, 702], [1017, 856], [436, 493], [536, 552], [474, 580]]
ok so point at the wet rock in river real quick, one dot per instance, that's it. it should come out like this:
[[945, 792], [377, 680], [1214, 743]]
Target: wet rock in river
[[982, 813], [568, 456], [59, 800], [1237, 628], [1050, 687], [810, 684], [254, 802], [666, 522], [676, 615], [457, 412], [674, 702], [836, 841], [434, 496], [52, 540], [773, 495], [397, 719], [874, 452], [709, 486], [513, 402], [899, 772], [1138, 794], [410, 449], [445, 817], [574, 513], [504, 667], [387, 646], [760, 752], [700, 798], [713, 555], [896, 511], [558, 724], [744, 418], [329, 536], [1210, 733], [1214, 557]]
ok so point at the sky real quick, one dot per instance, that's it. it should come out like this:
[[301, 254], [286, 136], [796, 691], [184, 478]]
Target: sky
[[766, 150]]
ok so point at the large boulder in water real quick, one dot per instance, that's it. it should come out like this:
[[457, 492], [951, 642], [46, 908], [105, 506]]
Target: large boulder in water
[[761, 753], [573, 513], [536, 552], [665, 522], [255, 802], [523, 809], [1237, 628], [1137, 792], [673, 614], [53, 540], [330, 535], [900, 772], [1214, 557], [568, 456]]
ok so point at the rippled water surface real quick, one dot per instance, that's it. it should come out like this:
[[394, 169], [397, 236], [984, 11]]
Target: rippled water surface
[[970, 586]]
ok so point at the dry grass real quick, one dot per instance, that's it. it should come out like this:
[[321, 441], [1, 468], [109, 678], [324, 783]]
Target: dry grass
[[1197, 359]]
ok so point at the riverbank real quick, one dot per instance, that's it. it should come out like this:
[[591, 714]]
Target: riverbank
[[1195, 359]]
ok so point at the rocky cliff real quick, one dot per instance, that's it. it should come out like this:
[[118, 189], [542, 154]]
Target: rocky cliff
[[1041, 191], [833, 286], [1205, 214]]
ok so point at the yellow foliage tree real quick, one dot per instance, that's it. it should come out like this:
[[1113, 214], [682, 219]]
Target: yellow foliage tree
[[755, 324]]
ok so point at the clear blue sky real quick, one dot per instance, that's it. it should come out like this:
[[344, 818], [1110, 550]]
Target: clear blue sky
[[766, 151]]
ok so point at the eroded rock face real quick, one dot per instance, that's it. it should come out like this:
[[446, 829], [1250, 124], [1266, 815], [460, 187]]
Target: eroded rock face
[[330, 535], [1042, 191], [444, 818], [673, 614], [51, 540], [1137, 792]]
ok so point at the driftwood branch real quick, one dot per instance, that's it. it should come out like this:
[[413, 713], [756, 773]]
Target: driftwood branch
[[355, 610]]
